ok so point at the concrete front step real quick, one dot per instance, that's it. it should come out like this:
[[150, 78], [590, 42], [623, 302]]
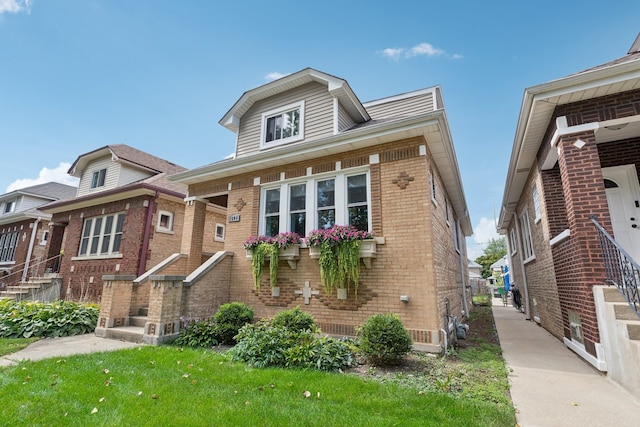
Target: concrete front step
[[139, 321], [633, 329], [125, 333], [624, 312], [612, 294]]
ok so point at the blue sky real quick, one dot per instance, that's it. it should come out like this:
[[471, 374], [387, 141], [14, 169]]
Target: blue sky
[[158, 75]]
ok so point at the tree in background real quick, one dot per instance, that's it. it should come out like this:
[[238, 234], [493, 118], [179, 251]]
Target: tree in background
[[496, 249]]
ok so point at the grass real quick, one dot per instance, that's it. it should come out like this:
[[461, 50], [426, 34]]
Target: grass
[[11, 345], [171, 386]]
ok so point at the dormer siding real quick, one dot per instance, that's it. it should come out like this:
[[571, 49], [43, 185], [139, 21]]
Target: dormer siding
[[318, 116]]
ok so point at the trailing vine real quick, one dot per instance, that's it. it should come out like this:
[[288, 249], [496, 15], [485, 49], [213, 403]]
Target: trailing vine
[[259, 253], [274, 254]]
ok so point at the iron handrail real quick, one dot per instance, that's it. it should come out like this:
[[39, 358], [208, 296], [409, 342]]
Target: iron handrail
[[620, 268]]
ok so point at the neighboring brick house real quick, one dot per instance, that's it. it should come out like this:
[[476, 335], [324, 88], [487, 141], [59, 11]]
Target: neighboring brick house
[[125, 217], [24, 232], [302, 141], [576, 156]]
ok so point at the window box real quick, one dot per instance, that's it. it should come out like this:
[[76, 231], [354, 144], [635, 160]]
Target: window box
[[368, 250], [290, 254]]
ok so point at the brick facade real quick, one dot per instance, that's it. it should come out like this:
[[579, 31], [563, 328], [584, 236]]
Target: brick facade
[[570, 193], [418, 257]]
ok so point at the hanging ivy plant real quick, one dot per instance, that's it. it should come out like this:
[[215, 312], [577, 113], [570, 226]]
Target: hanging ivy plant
[[339, 255], [262, 247]]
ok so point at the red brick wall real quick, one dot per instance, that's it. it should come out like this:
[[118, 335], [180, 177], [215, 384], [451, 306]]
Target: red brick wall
[[83, 277]]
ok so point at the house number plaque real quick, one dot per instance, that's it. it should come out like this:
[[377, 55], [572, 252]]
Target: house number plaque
[[234, 218]]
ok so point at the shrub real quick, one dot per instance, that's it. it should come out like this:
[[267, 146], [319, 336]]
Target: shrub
[[383, 339], [198, 333], [294, 319], [264, 344], [230, 318], [56, 319]]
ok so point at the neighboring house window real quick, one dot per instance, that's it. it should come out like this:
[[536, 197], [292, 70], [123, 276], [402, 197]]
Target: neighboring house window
[[45, 237], [97, 180], [527, 241], [8, 243], [513, 243], [220, 229], [165, 222], [456, 236], [102, 235], [536, 204], [446, 210], [432, 185], [283, 125], [9, 206], [341, 199]]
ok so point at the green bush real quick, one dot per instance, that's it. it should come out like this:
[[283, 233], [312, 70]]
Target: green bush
[[198, 333], [294, 319], [384, 340], [264, 344], [56, 319], [230, 318]]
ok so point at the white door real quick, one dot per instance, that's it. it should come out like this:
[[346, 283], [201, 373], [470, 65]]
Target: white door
[[623, 196]]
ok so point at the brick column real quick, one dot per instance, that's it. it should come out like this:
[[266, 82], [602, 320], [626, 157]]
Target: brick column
[[577, 260], [165, 303], [193, 231], [115, 303]]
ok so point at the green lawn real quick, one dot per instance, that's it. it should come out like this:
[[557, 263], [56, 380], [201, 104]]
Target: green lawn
[[168, 386], [11, 345]]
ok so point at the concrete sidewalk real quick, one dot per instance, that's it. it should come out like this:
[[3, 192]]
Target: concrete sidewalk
[[65, 346], [551, 385]]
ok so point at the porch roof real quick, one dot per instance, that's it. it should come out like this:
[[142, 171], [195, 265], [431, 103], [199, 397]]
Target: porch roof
[[539, 103]]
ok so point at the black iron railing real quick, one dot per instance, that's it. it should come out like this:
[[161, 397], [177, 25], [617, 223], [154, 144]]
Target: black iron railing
[[620, 269]]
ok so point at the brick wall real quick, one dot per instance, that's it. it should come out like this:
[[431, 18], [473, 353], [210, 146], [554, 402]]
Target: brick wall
[[82, 277], [418, 257]]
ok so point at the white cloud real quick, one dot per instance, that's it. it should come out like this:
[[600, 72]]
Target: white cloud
[[483, 232], [424, 49], [15, 6], [274, 76], [421, 49], [58, 174]]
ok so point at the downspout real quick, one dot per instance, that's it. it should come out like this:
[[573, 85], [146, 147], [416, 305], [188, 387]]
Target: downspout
[[142, 265], [462, 269], [34, 231], [524, 274]]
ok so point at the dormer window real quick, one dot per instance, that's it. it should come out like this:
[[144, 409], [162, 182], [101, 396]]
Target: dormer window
[[97, 180], [9, 206], [283, 125]]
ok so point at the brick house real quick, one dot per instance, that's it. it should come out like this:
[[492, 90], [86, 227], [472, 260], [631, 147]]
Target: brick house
[[125, 217], [574, 168], [24, 235], [302, 141]]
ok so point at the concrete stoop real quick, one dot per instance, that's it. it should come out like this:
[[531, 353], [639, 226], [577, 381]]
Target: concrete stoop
[[133, 332], [35, 289], [619, 329]]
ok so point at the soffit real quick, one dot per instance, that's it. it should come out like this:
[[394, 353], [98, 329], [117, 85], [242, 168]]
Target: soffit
[[538, 105]]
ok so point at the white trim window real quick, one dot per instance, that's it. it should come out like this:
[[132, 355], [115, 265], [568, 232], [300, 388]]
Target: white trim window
[[165, 222], [432, 185], [527, 241], [283, 125], [220, 231], [8, 244], [45, 237], [102, 235], [513, 243], [536, 204], [9, 206], [98, 177], [340, 198]]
